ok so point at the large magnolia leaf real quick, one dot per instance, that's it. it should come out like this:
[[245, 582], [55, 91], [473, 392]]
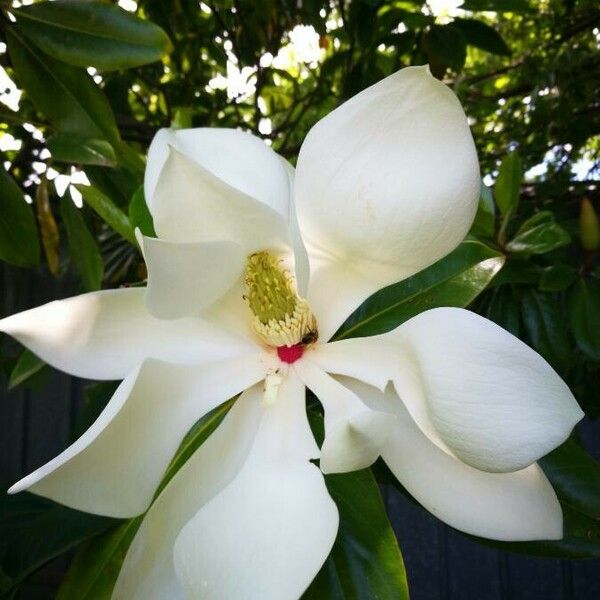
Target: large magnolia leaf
[[94, 34], [455, 280]]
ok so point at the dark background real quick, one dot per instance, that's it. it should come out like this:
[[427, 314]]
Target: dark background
[[441, 563]]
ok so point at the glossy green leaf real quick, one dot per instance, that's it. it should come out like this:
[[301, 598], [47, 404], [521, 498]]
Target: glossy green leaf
[[455, 280], [27, 365], [484, 223], [94, 571], [445, 46], [139, 215], [34, 530], [66, 95], [504, 309], [19, 240], [584, 314], [556, 278], [365, 562], [575, 476], [538, 235], [93, 33], [508, 183], [546, 328], [83, 249], [74, 149], [106, 209], [479, 34]]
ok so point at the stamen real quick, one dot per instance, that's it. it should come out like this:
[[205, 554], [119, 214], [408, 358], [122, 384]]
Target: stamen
[[281, 317]]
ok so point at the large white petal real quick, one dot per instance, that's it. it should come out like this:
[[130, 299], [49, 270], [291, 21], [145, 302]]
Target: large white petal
[[238, 158], [148, 572], [472, 387], [505, 506], [494, 401], [389, 178], [354, 434], [114, 468], [183, 278], [192, 204], [266, 535], [105, 335]]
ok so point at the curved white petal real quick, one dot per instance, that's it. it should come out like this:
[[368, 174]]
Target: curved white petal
[[191, 204], [183, 278], [115, 467], [301, 264], [148, 572], [494, 401], [377, 360], [514, 506], [354, 434], [105, 335], [239, 159], [266, 535], [389, 178]]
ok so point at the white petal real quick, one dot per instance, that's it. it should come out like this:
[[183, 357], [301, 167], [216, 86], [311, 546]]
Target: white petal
[[503, 506], [148, 572], [389, 178], [376, 361], [266, 535], [105, 335], [239, 159], [183, 278], [336, 288], [115, 467], [494, 401], [354, 434], [301, 264], [191, 204]]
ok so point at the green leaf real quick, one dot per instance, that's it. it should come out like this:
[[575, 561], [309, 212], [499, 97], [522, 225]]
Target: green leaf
[[516, 6], [455, 280], [484, 223], [95, 398], [66, 95], [546, 328], [94, 34], [83, 249], [108, 211], [69, 148], [508, 184], [365, 561], [445, 46], [538, 239], [139, 215], [27, 365], [556, 278], [584, 313], [34, 530], [575, 476], [19, 240], [482, 36], [94, 571]]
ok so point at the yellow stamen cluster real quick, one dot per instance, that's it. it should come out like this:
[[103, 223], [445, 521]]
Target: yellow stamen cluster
[[281, 317]]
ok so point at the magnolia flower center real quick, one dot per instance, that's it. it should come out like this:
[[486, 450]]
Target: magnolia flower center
[[281, 318]]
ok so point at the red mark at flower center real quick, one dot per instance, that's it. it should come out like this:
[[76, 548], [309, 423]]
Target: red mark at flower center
[[290, 354]]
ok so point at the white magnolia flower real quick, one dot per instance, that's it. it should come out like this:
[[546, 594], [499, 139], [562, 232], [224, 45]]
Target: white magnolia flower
[[458, 408]]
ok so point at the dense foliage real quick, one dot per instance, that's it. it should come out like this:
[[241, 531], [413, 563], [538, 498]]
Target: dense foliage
[[97, 81]]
